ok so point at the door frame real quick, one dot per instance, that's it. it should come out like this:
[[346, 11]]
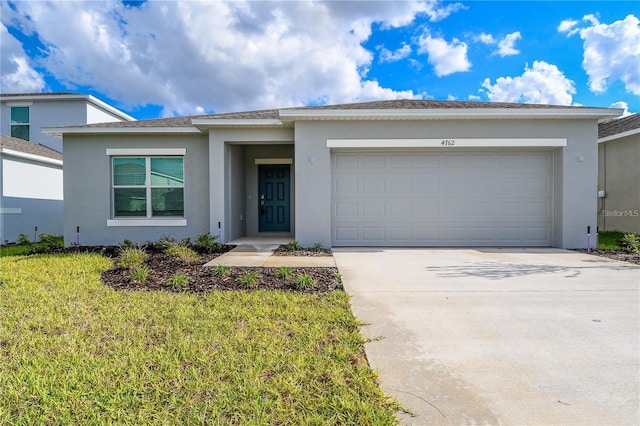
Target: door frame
[[261, 166]]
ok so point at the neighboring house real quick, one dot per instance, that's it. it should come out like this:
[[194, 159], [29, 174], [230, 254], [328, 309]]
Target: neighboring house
[[619, 174], [32, 178], [24, 114], [385, 173], [30, 189]]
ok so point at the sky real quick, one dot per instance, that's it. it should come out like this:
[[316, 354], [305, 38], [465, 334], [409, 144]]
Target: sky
[[166, 58]]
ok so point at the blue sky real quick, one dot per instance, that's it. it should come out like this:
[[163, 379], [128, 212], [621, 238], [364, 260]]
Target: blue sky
[[164, 58]]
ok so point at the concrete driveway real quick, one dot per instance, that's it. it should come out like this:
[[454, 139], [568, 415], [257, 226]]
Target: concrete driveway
[[500, 336]]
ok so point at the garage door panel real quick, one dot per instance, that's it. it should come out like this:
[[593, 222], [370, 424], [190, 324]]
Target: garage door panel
[[442, 199]]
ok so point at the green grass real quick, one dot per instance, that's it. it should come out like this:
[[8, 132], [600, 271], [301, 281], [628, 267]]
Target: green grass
[[74, 351], [610, 240], [13, 250]]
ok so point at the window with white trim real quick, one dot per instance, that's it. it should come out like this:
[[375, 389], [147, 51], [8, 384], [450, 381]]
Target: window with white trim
[[20, 122], [148, 187]]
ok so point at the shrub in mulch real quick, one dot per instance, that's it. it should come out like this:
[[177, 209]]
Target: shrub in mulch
[[201, 279]]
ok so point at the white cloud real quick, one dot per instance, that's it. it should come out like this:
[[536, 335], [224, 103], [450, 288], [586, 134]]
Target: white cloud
[[486, 38], [446, 58], [611, 52], [543, 83], [387, 55], [193, 56], [623, 105], [567, 25], [505, 46], [437, 13], [18, 75]]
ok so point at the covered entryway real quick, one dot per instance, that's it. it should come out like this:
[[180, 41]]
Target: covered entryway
[[442, 198]]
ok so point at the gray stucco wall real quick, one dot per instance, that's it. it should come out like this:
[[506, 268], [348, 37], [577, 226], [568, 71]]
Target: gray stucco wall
[[619, 177], [45, 214], [47, 114], [230, 151], [575, 174], [87, 188]]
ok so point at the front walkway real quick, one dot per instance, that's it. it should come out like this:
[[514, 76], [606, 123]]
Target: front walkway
[[259, 253]]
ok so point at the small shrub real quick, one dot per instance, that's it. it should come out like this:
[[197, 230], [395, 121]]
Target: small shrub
[[249, 279], [140, 274], [23, 240], [207, 243], [283, 272], [221, 271], [132, 257], [317, 247], [178, 279], [631, 243], [182, 252], [127, 243], [293, 246], [305, 281], [47, 244]]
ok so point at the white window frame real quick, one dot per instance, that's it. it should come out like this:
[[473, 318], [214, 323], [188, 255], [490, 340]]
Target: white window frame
[[147, 154]]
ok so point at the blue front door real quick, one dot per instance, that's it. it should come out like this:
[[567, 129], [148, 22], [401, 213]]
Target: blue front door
[[273, 196]]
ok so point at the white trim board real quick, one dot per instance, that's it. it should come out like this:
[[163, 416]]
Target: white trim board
[[146, 151], [147, 222], [451, 143], [274, 161]]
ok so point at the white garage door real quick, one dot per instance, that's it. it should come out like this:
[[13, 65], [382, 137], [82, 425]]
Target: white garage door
[[442, 199]]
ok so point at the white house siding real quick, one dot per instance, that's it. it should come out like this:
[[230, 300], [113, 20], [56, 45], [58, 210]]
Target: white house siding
[[31, 197], [574, 167], [87, 188], [95, 114]]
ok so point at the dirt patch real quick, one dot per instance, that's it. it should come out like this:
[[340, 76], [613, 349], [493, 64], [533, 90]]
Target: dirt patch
[[203, 279], [615, 254]]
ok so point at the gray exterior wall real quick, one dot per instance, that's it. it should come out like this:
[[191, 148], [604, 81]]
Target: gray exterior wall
[[575, 175], [232, 154], [619, 177], [87, 188], [54, 113]]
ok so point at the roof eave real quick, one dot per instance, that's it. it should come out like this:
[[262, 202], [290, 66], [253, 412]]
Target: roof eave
[[451, 114], [29, 156], [619, 135], [59, 132], [208, 123]]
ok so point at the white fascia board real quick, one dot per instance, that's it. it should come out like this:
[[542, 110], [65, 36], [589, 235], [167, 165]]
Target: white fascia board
[[60, 131], [242, 122], [109, 108], [619, 135], [448, 113], [28, 156], [448, 143]]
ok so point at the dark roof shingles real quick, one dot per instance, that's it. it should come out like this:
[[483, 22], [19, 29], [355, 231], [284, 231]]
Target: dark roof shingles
[[618, 125], [413, 104], [27, 147]]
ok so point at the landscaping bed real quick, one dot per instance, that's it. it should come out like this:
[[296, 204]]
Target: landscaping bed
[[615, 255], [203, 279], [293, 249]]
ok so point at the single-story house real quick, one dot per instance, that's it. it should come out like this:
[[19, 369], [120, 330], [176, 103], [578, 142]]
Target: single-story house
[[619, 174], [30, 189], [382, 173]]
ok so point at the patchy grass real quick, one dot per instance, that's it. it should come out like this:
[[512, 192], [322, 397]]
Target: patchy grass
[[75, 351]]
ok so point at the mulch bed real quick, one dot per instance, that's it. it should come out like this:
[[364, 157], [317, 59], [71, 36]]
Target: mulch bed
[[615, 254], [202, 279], [284, 250]]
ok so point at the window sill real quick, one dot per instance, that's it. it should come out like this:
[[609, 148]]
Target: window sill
[[147, 222]]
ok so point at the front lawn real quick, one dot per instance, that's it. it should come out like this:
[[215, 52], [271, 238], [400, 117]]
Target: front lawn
[[75, 351]]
